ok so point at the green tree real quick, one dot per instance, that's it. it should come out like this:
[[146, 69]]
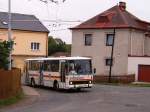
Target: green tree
[[68, 48], [4, 53], [53, 47]]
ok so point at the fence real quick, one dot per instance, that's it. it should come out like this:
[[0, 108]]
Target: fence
[[10, 83], [115, 79]]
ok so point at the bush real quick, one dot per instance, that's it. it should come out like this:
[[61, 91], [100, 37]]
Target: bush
[[5, 47]]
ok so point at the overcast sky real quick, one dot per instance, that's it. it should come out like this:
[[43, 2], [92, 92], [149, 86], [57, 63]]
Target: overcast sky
[[72, 11]]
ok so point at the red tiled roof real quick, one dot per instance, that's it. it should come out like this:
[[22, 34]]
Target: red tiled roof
[[114, 17]]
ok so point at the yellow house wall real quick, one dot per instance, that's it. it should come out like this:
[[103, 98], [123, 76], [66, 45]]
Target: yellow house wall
[[23, 41], [22, 47], [19, 61]]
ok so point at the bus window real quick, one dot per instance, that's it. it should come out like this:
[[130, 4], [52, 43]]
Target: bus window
[[51, 65], [54, 66], [34, 65], [47, 66], [80, 66], [72, 68]]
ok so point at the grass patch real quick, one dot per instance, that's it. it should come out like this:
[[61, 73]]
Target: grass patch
[[11, 100], [140, 85], [112, 84]]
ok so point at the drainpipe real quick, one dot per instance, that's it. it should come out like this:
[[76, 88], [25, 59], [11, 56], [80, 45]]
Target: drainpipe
[[112, 53]]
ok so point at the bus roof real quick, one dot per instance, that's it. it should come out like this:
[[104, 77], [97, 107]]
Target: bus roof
[[59, 58]]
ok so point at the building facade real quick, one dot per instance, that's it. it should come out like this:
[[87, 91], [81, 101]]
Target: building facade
[[30, 37], [116, 28]]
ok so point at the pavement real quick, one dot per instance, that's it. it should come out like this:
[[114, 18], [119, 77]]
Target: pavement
[[141, 83], [100, 98], [29, 91]]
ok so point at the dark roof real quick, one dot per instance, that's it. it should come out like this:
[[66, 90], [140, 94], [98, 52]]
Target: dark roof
[[22, 22], [114, 17]]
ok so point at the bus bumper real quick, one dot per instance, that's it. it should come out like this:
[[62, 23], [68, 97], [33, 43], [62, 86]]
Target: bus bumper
[[74, 86]]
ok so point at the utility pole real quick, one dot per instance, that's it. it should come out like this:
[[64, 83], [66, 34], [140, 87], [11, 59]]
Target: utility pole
[[112, 53], [9, 34]]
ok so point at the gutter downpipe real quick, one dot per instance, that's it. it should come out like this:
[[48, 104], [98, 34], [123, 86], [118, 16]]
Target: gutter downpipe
[[112, 53]]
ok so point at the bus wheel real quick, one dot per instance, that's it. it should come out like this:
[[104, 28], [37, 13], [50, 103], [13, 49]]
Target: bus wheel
[[55, 85], [32, 83]]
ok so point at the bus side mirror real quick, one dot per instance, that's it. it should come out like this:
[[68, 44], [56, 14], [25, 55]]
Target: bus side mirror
[[94, 70]]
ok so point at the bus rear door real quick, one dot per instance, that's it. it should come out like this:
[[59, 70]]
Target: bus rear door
[[63, 71]]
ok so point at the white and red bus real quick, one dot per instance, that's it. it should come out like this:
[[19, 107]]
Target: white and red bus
[[60, 72]]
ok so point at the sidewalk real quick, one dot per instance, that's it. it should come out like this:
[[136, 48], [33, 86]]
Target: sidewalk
[[141, 83], [30, 91]]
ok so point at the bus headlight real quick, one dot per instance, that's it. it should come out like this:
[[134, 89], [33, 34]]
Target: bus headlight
[[90, 82], [70, 83]]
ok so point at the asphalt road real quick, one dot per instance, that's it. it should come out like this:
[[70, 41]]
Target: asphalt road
[[101, 98]]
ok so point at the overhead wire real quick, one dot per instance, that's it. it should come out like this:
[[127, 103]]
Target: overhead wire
[[58, 22], [46, 20]]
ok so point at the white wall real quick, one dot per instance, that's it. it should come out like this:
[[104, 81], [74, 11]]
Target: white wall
[[133, 63]]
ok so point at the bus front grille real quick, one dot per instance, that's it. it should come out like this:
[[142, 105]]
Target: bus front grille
[[79, 82]]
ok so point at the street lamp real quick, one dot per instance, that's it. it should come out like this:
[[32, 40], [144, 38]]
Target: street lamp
[[9, 34]]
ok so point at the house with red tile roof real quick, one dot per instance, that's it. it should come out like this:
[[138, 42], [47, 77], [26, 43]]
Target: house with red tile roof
[[111, 39]]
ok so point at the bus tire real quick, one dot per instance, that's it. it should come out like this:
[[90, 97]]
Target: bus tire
[[32, 83], [55, 85]]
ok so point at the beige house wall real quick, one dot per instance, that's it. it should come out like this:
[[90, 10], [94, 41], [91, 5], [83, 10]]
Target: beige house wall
[[137, 43], [147, 46], [22, 47], [127, 42], [99, 51]]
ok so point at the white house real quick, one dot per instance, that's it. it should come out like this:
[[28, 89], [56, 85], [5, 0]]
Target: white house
[[94, 38]]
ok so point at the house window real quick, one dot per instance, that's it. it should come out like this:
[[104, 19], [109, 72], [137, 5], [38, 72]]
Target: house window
[[88, 39], [108, 61], [109, 39], [35, 46]]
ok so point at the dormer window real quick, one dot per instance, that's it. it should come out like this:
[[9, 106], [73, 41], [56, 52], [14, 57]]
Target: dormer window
[[103, 19]]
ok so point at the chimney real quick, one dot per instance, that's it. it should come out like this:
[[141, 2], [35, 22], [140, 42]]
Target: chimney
[[122, 6]]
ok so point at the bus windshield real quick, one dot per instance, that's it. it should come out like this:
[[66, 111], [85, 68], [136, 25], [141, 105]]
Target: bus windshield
[[81, 67]]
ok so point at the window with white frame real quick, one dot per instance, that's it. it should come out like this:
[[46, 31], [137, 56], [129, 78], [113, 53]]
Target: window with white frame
[[109, 39], [88, 39], [35, 46]]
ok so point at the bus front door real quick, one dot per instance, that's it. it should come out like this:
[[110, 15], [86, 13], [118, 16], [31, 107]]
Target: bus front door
[[63, 71]]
